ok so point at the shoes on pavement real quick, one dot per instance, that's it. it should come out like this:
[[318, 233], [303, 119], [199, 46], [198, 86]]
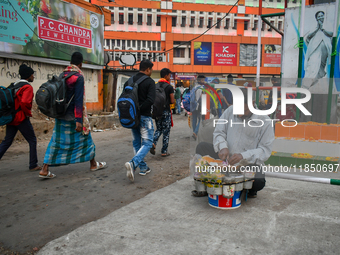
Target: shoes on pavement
[[252, 194], [145, 172], [130, 171], [153, 149]]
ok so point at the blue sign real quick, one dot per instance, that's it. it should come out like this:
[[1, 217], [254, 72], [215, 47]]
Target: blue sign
[[202, 53]]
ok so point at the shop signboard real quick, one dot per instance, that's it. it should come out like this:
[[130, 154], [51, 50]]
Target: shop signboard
[[51, 29], [202, 53], [225, 54], [272, 55]]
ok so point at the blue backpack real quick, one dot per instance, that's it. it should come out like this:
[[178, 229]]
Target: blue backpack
[[189, 100], [128, 104], [7, 102]]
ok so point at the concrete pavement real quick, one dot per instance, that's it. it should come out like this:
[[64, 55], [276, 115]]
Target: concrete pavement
[[287, 217]]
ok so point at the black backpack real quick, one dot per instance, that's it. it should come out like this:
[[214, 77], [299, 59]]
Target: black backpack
[[128, 103], [160, 102], [51, 96], [7, 102]]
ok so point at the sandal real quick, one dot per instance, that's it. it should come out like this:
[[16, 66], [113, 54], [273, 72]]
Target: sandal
[[36, 168], [100, 166], [48, 176], [196, 193], [153, 149], [165, 154], [194, 136]]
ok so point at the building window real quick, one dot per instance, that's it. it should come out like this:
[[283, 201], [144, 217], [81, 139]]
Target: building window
[[133, 44], [130, 21], [192, 21], [280, 25], [270, 28], [227, 21], [183, 11], [149, 20], [179, 53], [121, 8], [113, 44], [123, 44], [158, 10], [201, 12], [140, 19], [149, 45], [235, 24], [174, 21], [183, 21], [209, 23], [128, 43], [112, 18], [144, 44], [255, 25], [118, 43], [248, 54], [158, 23], [138, 45], [138, 56], [159, 46], [246, 24], [148, 10], [192, 12], [154, 47], [130, 9], [140, 9], [218, 24], [201, 22], [121, 18]]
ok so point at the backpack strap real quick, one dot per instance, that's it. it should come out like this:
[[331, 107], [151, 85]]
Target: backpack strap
[[67, 76], [141, 79]]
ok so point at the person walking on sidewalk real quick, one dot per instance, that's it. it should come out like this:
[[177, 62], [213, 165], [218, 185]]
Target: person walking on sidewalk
[[163, 124], [196, 113], [178, 95], [71, 140], [23, 104], [143, 134]]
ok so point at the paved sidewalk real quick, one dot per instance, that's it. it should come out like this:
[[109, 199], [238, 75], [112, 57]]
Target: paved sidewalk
[[288, 217]]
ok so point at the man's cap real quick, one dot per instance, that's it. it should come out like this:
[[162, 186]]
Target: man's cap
[[25, 71]]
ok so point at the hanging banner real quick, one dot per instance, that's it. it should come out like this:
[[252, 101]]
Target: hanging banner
[[202, 53], [51, 29], [272, 55], [225, 54]]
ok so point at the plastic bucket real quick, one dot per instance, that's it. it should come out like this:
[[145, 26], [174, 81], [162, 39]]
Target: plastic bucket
[[221, 202]]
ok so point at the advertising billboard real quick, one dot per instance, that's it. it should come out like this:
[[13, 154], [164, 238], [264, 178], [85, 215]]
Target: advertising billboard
[[225, 54], [51, 29], [202, 53], [272, 55]]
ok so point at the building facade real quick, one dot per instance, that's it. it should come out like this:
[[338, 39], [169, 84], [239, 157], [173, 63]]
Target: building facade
[[166, 32]]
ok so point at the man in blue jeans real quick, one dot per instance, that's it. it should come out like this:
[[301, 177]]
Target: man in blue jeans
[[143, 134]]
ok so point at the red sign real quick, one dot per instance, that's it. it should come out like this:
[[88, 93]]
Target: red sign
[[57, 31], [272, 59], [225, 54]]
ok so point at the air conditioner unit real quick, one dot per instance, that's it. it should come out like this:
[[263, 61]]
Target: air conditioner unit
[[160, 59]]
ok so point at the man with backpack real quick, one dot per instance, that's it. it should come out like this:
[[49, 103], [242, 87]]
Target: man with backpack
[[195, 103], [163, 123], [23, 105], [143, 133], [71, 140]]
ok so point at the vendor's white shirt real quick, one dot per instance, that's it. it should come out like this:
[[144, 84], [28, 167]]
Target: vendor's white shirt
[[253, 143]]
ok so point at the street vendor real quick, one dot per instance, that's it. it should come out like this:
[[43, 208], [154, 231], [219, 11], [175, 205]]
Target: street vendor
[[247, 138]]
